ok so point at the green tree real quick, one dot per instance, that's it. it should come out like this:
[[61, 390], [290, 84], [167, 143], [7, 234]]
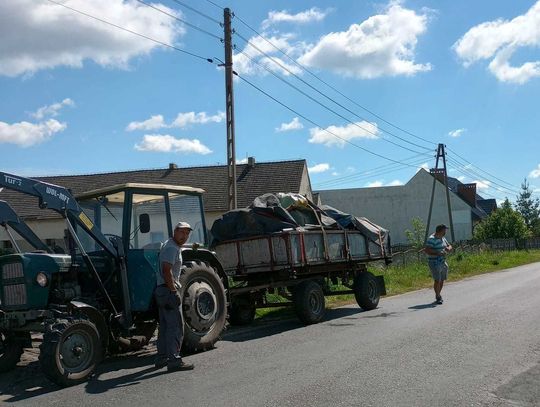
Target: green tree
[[528, 207], [502, 223], [416, 236]]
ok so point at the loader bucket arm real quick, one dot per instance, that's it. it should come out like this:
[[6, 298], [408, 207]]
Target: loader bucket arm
[[8, 217], [60, 200]]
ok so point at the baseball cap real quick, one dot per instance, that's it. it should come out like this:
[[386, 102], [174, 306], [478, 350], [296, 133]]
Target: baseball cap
[[183, 225]]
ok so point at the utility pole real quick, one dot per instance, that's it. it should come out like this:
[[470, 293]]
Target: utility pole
[[441, 154], [229, 109]]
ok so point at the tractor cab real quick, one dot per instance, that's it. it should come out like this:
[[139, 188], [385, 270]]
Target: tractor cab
[[141, 217]]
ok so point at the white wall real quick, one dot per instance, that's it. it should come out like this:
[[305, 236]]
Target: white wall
[[394, 207]]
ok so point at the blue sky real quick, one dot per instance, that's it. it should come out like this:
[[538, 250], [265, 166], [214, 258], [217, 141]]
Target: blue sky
[[80, 96]]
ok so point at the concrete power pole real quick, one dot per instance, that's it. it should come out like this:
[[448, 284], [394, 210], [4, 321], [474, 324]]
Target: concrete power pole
[[229, 109], [442, 155]]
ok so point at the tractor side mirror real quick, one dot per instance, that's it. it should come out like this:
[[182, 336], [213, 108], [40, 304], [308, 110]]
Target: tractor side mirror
[[144, 223]]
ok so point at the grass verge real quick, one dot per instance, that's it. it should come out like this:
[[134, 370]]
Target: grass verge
[[414, 276]]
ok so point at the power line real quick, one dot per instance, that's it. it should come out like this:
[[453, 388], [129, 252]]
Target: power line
[[491, 175], [373, 171], [316, 124], [359, 177], [133, 32], [480, 176], [325, 106], [198, 12], [180, 20], [317, 90], [329, 85], [214, 4]]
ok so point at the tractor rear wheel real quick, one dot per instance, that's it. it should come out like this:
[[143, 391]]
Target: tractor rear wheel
[[10, 351], [70, 351], [204, 306]]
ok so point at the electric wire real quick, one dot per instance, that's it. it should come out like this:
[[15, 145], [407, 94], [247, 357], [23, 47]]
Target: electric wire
[[133, 32], [327, 107], [315, 123], [469, 163], [181, 3], [180, 20], [214, 4], [316, 90], [327, 84]]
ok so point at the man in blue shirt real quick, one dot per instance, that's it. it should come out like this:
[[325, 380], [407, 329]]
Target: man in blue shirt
[[436, 249], [169, 301]]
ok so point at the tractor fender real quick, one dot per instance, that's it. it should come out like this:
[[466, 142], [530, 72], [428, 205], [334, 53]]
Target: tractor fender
[[209, 257], [94, 316]]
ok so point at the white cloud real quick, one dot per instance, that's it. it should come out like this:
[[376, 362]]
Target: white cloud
[[535, 173], [424, 166], [335, 174], [295, 124], [153, 123], [27, 134], [377, 184], [461, 178], [181, 121], [307, 16], [316, 169], [349, 132], [457, 132], [498, 40], [42, 35], [166, 143], [382, 45], [52, 110], [185, 119], [245, 66], [481, 185], [242, 161]]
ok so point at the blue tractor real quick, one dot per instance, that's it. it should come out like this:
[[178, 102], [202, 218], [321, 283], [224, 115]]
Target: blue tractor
[[98, 298]]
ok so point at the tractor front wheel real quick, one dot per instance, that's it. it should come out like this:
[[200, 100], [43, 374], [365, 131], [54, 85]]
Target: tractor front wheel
[[70, 351]]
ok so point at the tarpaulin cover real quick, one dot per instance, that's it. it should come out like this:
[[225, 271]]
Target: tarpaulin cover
[[373, 232], [271, 213]]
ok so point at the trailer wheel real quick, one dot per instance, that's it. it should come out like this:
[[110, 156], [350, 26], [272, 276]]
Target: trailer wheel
[[204, 306], [10, 351], [70, 351], [309, 304], [366, 290], [242, 311]]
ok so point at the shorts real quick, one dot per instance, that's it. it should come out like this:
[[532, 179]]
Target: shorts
[[439, 269]]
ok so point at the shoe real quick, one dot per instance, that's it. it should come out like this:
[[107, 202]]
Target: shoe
[[177, 366], [439, 300], [160, 363]]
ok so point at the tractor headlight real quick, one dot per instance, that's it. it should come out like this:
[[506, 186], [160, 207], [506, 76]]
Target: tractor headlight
[[42, 279]]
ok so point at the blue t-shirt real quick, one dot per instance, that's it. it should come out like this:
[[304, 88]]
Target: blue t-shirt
[[170, 253], [437, 244]]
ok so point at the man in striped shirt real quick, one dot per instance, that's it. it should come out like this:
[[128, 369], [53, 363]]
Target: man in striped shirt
[[436, 249]]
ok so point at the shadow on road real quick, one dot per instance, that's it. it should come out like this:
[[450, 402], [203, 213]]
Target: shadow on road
[[423, 306], [266, 328], [25, 382]]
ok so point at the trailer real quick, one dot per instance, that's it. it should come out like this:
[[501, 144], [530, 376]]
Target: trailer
[[302, 266]]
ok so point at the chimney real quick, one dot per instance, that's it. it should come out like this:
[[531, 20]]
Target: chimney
[[173, 166], [438, 173], [251, 162], [467, 192]]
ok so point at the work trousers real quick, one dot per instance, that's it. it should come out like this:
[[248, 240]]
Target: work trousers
[[171, 323]]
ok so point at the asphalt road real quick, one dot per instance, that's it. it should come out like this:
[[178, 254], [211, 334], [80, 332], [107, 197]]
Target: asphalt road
[[480, 348]]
